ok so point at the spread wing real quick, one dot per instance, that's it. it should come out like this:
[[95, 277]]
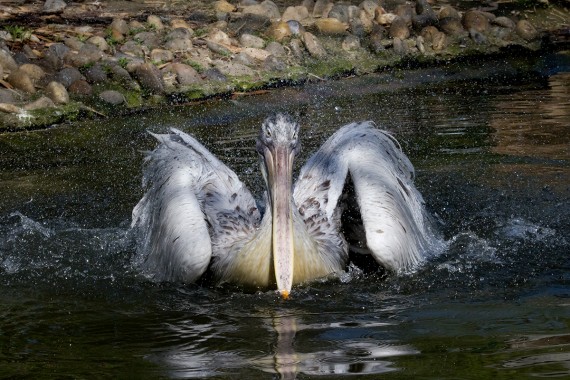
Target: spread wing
[[392, 213], [193, 206]]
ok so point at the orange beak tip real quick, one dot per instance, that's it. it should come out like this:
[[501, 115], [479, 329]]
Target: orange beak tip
[[285, 294]]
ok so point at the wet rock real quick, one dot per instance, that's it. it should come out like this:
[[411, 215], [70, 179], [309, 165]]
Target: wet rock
[[40, 103], [298, 13], [96, 74], [57, 93], [121, 75], [34, 72], [20, 80], [276, 49], [7, 61], [249, 40], [273, 63], [504, 22], [375, 40], [132, 48], [279, 31], [100, 42], [80, 88], [161, 55], [112, 97], [475, 20], [267, 8], [351, 43], [54, 6], [313, 45], [357, 28], [68, 75], [526, 30], [21, 58], [399, 29], [297, 48], [428, 33], [185, 75], [331, 26], [447, 11], [155, 22], [150, 78]]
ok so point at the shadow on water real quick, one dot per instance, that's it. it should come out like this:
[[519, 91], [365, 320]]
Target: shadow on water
[[490, 146]]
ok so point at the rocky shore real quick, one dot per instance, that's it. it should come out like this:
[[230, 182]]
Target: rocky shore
[[105, 61]]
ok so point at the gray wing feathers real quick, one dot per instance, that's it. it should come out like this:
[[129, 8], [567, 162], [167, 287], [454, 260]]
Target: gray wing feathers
[[391, 208], [179, 219]]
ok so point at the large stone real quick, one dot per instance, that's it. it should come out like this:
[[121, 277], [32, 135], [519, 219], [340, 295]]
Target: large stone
[[298, 13], [20, 80], [447, 11], [322, 8], [339, 12], [219, 37], [425, 15], [331, 26], [120, 26], [87, 55], [155, 22], [475, 20], [276, 49], [185, 75], [148, 39], [132, 48], [180, 23], [233, 69], [526, 30], [40, 103], [399, 29], [504, 22], [8, 96], [161, 55], [259, 54], [68, 75], [80, 88], [267, 8], [96, 74], [34, 72], [248, 23], [273, 63], [9, 108], [7, 61], [57, 92], [313, 45], [249, 40], [150, 78], [439, 41], [179, 44], [405, 12], [279, 31], [369, 6], [100, 42], [224, 7], [73, 43], [451, 26], [54, 6]]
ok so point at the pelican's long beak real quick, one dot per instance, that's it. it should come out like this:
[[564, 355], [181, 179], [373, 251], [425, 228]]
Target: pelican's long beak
[[279, 164]]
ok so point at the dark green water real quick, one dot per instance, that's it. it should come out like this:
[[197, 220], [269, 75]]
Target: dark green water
[[491, 147]]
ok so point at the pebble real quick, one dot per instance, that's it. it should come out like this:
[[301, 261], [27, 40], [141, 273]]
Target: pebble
[[100, 42], [259, 54], [451, 26], [504, 22], [266, 8], [273, 63], [447, 11], [331, 26], [132, 48], [399, 29], [233, 69], [185, 75], [223, 6], [57, 93], [298, 13], [369, 7], [80, 88], [9, 108], [161, 55], [34, 72], [120, 26], [8, 96], [339, 12], [179, 44], [351, 43], [96, 74], [279, 31], [276, 49], [54, 6], [155, 22], [439, 41]]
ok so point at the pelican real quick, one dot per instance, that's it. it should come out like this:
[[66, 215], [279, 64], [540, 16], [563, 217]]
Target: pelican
[[196, 215]]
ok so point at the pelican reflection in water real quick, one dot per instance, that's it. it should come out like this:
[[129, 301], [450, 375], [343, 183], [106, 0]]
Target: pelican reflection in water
[[197, 215]]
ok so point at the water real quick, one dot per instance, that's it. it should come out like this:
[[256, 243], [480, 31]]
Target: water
[[491, 147]]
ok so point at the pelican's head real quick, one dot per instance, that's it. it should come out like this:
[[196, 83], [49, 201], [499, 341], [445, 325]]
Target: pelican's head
[[277, 145]]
